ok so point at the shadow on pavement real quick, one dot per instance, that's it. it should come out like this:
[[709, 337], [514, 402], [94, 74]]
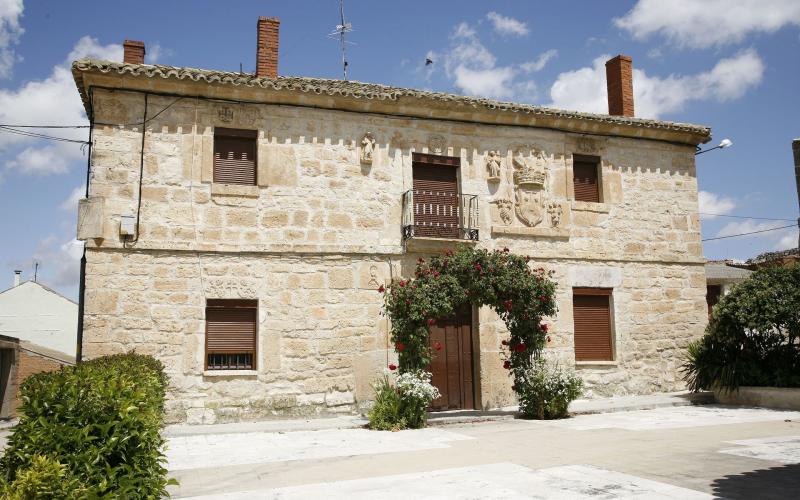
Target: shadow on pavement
[[776, 482]]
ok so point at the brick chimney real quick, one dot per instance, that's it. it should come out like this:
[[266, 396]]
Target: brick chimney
[[619, 79], [133, 52], [267, 47]]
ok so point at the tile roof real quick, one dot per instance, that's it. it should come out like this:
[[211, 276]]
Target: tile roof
[[722, 271], [359, 90]]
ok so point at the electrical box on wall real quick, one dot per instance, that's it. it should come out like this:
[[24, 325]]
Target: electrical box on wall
[[127, 226]]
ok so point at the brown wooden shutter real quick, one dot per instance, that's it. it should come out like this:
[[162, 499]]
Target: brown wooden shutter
[[436, 196], [592, 313], [585, 181], [231, 334], [235, 156]]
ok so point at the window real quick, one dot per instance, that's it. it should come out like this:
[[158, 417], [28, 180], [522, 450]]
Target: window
[[713, 294], [585, 178], [591, 308], [231, 332], [235, 156], [436, 200]]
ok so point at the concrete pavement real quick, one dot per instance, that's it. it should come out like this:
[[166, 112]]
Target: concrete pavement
[[668, 452]]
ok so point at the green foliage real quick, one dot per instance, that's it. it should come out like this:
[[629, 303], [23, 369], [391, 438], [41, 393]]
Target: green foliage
[[546, 390], [101, 419], [404, 405], [44, 479], [753, 337], [499, 279], [386, 413]]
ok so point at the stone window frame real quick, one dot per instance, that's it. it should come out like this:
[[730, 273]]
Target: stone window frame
[[232, 303], [598, 161], [609, 292], [262, 159]]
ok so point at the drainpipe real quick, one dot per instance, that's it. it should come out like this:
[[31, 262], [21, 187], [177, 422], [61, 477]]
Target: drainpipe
[[796, 151]]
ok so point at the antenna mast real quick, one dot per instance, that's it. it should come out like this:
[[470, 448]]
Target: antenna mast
[[340, 31]]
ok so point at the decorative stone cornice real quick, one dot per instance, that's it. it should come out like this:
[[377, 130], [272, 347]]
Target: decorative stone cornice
[[357, 96]]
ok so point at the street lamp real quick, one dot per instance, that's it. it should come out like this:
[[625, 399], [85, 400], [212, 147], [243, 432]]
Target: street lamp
[[724, 143]]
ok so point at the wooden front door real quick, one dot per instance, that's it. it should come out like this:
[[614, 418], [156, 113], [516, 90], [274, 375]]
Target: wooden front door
[[452, 363]]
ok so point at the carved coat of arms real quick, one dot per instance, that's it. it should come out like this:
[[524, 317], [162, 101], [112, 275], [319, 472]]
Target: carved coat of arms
[[529, 179]]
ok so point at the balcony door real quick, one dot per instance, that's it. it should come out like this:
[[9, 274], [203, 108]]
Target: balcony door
[[436, 200]]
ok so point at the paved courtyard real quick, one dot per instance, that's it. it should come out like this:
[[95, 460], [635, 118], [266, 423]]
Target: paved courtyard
[[680, 452]]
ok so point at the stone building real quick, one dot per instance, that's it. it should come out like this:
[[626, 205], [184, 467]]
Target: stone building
[[237, 228]]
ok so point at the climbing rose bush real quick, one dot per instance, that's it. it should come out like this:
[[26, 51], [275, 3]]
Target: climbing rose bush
[[519, 294]]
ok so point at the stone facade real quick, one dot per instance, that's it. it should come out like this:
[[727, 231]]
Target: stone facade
[[322, 230]]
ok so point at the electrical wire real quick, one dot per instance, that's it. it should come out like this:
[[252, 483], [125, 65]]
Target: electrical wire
[[37, 135], [745, 217], [43, 126], [751, 232]]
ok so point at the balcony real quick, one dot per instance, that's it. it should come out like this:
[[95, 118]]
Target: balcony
[[430, 215]]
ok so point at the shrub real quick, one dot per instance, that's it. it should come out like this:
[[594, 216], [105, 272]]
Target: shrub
[[404, 405], [753, 337], [101, 419], [44, 479], [545, 390]]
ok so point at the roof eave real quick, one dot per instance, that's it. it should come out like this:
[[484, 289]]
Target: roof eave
[[370, 98]]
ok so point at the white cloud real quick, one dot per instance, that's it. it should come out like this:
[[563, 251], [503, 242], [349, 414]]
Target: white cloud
[[52, 101], [507, 25], [59, 261], [71, 203], [788, 239], [584, 89], [474, 70], [748, 226], [711, 203], [540, 62], [40, 161], [10, 31], [689, 23]]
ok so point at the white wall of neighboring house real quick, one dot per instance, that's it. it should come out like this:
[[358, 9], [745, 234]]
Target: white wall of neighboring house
[[39, 315]]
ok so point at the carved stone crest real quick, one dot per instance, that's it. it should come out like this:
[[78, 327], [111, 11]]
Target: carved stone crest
[[494, 164], [225, 114], [588, 145], [367, 148], [504, 210], [436, 144], [530, 175]]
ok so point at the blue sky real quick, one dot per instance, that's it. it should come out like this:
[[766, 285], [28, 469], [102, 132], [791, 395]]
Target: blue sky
[[728, 64]]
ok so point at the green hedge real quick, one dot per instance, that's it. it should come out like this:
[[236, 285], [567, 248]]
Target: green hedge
[[753, 338], [101, 420]]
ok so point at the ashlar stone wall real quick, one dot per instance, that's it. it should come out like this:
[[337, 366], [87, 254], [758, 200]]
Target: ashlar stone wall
[[322, 230]]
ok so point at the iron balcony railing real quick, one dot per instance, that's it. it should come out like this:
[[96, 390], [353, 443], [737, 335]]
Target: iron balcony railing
[[435, 214]]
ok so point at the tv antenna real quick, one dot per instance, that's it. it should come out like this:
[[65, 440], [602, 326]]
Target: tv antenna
[[339, 32]]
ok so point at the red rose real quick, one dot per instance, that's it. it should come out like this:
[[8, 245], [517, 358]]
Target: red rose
[[392, 366], [505, 342], [437, 345], [542, 298], [402, 284], [478, 267], [381, 289], [509, 304], [408, 302], [436, 274], [400, 347], [505, 249], [544, 327], [431, 321], [507, 365], [420, 260], [519, 348], [448, 252]]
